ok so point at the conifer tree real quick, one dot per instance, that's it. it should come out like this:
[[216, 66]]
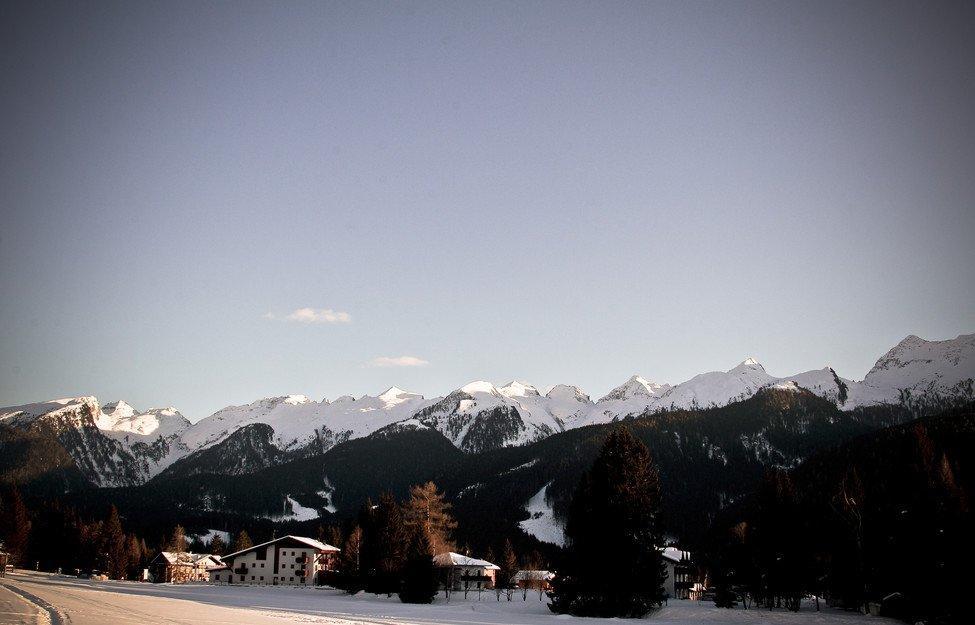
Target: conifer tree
[[134, 556], [419, 575], [241, 542], [613, 566], [508, 564], [428, 512], [391, 542], [217, 545], [114, 545], [352, 552], [15, 525], [177, 546]]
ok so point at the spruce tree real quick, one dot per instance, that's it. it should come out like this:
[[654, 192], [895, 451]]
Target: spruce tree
[[419, 575], [508, 564], [390, 544], [613, 566], [243, 541], [115, 547], [217, 545]]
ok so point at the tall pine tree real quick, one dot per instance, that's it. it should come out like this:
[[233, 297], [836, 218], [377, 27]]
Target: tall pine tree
[[613, 566], [115, 546]]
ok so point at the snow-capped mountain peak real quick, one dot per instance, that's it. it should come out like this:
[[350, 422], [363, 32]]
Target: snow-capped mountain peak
[[480, 386], [636, 386], [519, 389], [395, 395], [568, 392], [749, 363]]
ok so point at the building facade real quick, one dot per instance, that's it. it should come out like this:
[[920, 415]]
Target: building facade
[[460, 572], [169, 567], [681, 580], [285, 561]]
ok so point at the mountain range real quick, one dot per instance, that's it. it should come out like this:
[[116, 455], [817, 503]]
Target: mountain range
[[116, 445]]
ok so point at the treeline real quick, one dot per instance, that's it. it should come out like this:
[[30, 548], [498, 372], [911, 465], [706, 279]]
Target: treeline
[[884, 519], [56, 538]]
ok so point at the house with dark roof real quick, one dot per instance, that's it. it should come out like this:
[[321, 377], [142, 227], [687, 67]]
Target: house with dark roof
[[285, 561]]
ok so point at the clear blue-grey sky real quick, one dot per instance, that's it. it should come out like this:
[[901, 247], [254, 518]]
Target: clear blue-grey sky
[[547, 191]]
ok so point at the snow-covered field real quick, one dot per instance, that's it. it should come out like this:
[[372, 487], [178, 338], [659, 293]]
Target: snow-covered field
[[83, 602]]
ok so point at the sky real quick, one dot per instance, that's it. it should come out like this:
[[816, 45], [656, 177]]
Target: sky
[[203, 204]]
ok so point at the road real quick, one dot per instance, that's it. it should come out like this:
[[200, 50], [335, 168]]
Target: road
[[80, 602], [58, 600], [15, 610]]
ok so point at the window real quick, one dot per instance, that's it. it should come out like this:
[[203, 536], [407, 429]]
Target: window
[[291, 579], [262, 578]]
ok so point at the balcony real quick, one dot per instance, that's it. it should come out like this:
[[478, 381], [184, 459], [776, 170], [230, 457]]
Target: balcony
[[241, 570], [301, 559]]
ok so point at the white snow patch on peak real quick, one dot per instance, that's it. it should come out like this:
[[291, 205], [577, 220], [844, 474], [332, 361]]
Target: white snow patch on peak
[[787, 385], [343, 399], [636, 386], [519, 389], [480, 386], [568, 392], [119, 409], [395, 395], [749, 363], [295, 400]]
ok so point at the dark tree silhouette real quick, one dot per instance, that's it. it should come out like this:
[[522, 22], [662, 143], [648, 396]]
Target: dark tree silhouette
[[613, 566]]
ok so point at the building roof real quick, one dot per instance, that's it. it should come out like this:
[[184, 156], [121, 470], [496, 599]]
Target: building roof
[[455, 559], [310, 542], [187, 557], [675, 555]]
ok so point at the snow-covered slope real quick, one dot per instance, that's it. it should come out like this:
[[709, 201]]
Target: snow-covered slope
[[480, 416], [916, 369], [717, 388], [73, 421], [299, 422], [152, 437], [632, 398]]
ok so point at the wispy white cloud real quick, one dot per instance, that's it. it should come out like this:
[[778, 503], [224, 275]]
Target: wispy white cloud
[[398, 361], [313, 315]]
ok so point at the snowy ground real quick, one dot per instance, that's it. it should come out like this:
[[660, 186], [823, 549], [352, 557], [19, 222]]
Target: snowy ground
[[83, 602]]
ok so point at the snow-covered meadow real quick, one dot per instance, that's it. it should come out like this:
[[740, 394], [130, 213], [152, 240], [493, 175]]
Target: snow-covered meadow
[[85, 602]]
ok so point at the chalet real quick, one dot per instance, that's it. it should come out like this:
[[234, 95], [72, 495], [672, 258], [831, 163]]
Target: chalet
[[534, 580], [171, 567], [285, 561], [681, 574], [459, 572]]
